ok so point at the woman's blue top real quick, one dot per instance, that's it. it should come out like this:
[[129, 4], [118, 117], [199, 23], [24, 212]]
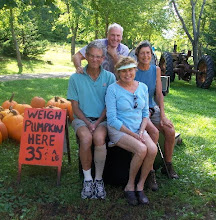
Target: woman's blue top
[[149, 78], [126, 108]]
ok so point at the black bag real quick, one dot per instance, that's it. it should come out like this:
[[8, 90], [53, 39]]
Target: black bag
[[116, 170]]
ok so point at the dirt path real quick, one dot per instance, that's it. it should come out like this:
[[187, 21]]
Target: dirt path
[[32, 76]]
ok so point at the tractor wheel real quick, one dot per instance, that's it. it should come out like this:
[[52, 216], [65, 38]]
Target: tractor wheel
[[206, 72], [166, 65]]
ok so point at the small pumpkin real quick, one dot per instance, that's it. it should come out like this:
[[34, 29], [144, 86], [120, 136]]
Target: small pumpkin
[[14, 124], [63, 104], [38, 102], [21, 107], [69, 108], [53, 101], [4, 112], [3, 130], [6, 104]]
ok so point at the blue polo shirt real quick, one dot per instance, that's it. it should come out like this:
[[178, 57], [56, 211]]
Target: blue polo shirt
[[88, 93]]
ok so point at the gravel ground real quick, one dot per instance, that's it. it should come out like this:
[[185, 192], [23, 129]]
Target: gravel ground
[[32, 76]]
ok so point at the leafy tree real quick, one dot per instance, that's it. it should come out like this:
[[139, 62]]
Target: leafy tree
[[11, 5], [140, 19], [195, 23], [73, 12], [208, 37], [23, 28]]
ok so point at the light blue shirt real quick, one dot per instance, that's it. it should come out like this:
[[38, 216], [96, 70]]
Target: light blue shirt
[[88, 93], [120, 106], [149, 78], [108, 63]]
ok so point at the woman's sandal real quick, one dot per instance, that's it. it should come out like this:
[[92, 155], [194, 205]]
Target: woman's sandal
[[142, 198], [131, 197]]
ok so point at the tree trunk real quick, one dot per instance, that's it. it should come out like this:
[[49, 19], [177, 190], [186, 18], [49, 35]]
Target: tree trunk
[[195, 53], [74, 29], [73, 39], [196, 27], [96, 26], [19, 61]]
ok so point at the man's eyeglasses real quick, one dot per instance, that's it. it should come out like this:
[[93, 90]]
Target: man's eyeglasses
[[94, 57], [135, 101]]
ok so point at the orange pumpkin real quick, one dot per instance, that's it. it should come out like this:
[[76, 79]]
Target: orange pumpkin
[[69, 109], [53, 101], [38, 102], [3, 130], [63, 104], [4, 112], [21, 107], [14, 124], [0, 137], [6, 104]]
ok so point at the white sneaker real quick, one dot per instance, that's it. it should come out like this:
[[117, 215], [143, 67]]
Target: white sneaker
[[100, 192], [88, 190]]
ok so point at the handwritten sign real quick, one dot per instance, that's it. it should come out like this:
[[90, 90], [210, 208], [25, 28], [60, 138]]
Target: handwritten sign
[[43, 137]]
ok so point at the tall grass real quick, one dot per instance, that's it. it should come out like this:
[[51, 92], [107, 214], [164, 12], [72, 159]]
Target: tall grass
[[192, 111]]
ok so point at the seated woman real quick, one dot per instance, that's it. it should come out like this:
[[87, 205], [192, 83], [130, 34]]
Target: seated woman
[[127, 117], [151, 76]]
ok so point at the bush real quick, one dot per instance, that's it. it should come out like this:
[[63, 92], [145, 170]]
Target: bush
[[30, 44]]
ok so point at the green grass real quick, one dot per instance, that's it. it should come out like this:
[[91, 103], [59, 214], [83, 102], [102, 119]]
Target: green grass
[[192, 111], [57, 54]]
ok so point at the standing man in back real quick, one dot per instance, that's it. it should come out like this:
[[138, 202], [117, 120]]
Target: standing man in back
[[114, 48]]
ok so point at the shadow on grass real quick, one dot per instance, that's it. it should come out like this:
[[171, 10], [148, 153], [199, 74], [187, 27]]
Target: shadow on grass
[[29, 64], [32, 63]]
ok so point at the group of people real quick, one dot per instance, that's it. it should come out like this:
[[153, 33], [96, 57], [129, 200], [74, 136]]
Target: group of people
[[127, 103]]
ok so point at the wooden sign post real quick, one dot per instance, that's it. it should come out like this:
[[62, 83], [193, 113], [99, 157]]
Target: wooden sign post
[[42, 138]]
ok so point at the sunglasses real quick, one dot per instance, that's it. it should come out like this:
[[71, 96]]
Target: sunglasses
[[135, 101]]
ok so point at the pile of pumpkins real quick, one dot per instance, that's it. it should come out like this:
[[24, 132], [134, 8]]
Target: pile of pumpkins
[[12, 114]]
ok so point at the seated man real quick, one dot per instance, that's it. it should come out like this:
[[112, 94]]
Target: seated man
[[114, 48], [87, 94]]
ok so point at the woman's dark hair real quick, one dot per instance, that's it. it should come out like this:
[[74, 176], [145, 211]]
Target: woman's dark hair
[[141, 45]]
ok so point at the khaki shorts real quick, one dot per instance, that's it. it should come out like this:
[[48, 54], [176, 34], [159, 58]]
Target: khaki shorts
[[115, 135], [77, 123], [155, 118]]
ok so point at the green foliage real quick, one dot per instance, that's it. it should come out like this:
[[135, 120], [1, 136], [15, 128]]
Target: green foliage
[[30, 45], [209, 34]]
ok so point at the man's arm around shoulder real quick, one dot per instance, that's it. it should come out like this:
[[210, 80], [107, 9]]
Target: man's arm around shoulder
[[77, 58]]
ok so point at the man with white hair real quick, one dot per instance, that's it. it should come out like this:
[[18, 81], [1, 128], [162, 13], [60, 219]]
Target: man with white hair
[[114, 48]]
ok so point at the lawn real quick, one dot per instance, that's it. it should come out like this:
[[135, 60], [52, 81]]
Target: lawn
[[57, 58], [193, 196]]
